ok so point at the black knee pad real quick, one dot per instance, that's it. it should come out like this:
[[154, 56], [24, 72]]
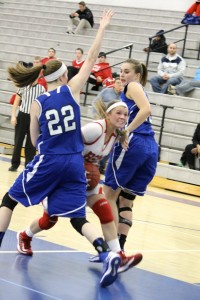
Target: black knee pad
[[8, 202], [127, 195], [78, 223], [124, 220]]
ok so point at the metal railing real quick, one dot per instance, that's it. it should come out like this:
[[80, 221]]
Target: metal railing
[[129, 46], [173, 29]]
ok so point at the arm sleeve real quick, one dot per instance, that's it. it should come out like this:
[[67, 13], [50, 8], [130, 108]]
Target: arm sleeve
[[91, 132], [160, 69]]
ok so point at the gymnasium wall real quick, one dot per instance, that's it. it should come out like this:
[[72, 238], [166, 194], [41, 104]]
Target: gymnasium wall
[[177, 5]]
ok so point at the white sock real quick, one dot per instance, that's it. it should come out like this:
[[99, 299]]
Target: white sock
[[29, 232], [114, 245]]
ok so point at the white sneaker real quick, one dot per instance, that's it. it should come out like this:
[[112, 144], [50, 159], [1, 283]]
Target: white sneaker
[[111, 262]]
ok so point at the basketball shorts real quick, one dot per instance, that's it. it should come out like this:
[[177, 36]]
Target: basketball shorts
[[132, 170], [59, 179]]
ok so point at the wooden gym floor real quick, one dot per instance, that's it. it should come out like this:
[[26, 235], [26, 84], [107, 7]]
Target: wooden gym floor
[[166, 229]]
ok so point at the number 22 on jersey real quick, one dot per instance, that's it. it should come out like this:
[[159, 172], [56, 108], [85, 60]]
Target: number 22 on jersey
[[55, 124]]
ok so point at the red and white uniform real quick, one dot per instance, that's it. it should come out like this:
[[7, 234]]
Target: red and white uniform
[[77, 64], [95, 146]]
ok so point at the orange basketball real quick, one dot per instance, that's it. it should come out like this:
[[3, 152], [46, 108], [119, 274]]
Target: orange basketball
[[92, 175]]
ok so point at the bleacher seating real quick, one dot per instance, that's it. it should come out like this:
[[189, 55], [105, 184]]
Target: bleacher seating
[[29, 30]]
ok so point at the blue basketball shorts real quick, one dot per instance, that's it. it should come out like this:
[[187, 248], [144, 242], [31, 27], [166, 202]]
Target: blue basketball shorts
[[132, 170], [58, 179]]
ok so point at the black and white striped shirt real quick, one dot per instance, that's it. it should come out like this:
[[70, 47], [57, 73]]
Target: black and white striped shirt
[[28, 94]]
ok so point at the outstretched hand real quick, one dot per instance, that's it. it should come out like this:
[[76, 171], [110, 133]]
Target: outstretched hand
[[106, 18]]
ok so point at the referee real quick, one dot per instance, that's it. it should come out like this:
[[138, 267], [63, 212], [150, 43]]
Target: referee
[[21, 122]]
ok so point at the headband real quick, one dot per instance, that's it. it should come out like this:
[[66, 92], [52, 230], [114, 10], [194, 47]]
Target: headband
[[55, 75], [120, 103]]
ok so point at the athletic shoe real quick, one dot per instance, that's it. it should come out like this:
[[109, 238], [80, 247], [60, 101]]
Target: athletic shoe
[[111, 262], [128, 262], [171, 89], [24, 243], [12, 169]]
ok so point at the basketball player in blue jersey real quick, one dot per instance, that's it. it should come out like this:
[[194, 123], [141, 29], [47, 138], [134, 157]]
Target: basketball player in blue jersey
[[99, 138], [57, 173], [133, 162]]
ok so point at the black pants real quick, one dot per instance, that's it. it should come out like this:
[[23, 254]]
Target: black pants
[[96, 84], [188, 156], [22, 130]]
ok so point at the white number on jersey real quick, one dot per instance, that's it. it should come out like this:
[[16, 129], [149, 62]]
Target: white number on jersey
[[53, 116]]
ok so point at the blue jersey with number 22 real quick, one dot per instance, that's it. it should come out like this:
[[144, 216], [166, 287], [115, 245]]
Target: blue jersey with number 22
[[59, 123]]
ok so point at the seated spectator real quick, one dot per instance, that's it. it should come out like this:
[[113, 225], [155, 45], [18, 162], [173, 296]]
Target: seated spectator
[[78, 61], [76, 64], [82, 18], [110, 93], [192, 15], [170, 71], [184, 87], [51, 55], [158, 44], [101, 72], [192, 150], [107, 95]]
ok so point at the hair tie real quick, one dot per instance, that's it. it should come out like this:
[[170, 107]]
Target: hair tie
[[44, 67]]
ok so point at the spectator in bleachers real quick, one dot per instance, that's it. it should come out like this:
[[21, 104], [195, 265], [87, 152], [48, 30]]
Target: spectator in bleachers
[[21, 122], [110, 93], [78, 61], [51, 55], [82, 18], [170, 71], [76, 64], [192, 15], [192, 150], [101, 73], [158, 43], [184, 87]]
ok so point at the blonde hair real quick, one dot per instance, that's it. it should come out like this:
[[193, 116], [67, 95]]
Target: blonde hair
[[101, 108], [22, 76]]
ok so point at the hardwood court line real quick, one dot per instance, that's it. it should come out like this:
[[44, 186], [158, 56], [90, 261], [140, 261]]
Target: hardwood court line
[[166, 225], [168, 228], [29, 289], [173, 198]]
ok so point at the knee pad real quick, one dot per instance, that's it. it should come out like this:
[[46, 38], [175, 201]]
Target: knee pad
[[46, 222], [124, 220], [78, 223], [8, 202], [103, 211], [127, 195]]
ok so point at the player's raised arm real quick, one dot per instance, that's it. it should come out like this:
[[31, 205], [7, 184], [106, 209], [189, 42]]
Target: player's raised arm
[[80, 79]]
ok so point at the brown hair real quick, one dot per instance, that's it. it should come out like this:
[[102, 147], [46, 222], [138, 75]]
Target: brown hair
[[22, 76], [139, 68], [82, 3], [101, 107], [38, 58]]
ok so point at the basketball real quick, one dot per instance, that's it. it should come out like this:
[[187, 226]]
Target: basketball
[[92, 175]]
